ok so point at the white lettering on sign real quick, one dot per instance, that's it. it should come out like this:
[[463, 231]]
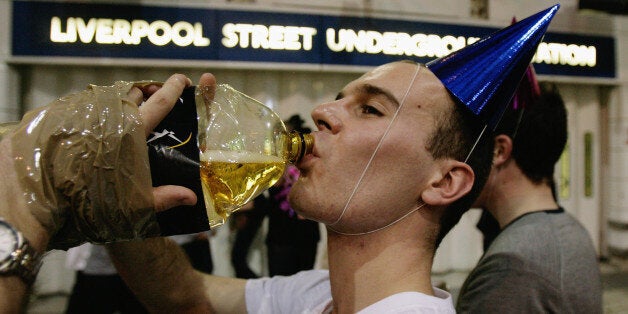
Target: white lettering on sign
[[394, 43], [274, 37], [573, 55], [119, 31], [431, 45], [279, 37]]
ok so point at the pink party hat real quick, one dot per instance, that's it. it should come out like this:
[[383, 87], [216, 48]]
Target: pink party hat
[[528, 90]]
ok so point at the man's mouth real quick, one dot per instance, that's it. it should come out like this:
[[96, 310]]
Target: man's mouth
[[306, 162]]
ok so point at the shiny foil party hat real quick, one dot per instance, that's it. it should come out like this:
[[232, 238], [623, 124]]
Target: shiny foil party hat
[[484, 76]]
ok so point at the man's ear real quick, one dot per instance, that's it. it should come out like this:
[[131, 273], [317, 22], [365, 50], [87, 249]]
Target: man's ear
[[502, 150], [453, 181]]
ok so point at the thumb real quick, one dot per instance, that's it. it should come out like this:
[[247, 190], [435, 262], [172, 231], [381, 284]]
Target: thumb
[[169, 196]]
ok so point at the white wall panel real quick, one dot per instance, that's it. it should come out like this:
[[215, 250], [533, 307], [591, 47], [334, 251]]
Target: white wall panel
[[618, 137], [588, 122], [618, 188], [583, 108]]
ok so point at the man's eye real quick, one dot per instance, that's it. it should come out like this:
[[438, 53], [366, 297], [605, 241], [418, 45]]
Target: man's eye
[[367, 109]]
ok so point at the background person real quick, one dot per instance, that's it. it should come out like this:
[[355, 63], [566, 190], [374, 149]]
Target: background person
[[543, 260]]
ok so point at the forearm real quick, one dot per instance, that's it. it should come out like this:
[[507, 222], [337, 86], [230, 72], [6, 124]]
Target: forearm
[[159, 273], [13, 293], [13, 209]]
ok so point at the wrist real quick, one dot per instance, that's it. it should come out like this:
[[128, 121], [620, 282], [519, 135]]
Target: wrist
[[18, 258]]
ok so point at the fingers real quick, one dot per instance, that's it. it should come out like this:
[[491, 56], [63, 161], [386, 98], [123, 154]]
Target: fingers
[[207, 85], [135, 96], [169, 196], [150, 89], [159, 104], [207, 79]]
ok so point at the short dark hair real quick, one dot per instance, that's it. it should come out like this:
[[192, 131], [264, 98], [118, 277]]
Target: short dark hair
[[454, 137], [539, 135]]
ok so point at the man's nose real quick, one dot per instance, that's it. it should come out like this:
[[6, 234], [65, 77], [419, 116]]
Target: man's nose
[[326, 117]]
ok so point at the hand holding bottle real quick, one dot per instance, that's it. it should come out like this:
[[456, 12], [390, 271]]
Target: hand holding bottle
[[81, 163]]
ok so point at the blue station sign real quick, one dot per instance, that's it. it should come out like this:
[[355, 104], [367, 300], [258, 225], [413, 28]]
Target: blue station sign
[[62, 29]]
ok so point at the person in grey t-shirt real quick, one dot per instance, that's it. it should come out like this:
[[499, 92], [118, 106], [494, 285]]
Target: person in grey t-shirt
[[543, 260]]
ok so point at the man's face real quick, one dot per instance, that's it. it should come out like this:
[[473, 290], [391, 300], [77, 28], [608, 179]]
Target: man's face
[[349, 130]]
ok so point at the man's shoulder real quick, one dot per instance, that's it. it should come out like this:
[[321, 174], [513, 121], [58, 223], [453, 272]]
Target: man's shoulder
[[540, 231], [303, 280], [539, 243], [522, 239], [303, 291], [543, 258], [413, 302]]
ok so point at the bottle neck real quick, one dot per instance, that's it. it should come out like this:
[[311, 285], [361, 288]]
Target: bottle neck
[[298, 145]]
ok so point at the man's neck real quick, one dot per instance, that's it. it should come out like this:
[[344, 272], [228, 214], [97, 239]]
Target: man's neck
[[514, 195], [367, 268]]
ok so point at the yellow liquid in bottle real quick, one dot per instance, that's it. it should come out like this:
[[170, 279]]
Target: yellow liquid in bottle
[[231, 179]]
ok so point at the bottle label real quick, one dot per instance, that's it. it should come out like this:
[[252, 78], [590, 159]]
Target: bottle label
[[174, 159]]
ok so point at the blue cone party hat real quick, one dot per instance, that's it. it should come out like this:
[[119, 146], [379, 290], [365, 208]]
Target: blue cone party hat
[[484, 76]]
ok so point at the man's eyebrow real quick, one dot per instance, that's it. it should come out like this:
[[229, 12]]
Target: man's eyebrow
[[377, 91], [374, 91]]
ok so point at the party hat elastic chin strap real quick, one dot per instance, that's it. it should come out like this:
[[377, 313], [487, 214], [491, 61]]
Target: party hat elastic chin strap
[[368, 164]]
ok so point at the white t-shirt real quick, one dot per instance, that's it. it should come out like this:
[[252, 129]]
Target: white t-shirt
[[309, 292]]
